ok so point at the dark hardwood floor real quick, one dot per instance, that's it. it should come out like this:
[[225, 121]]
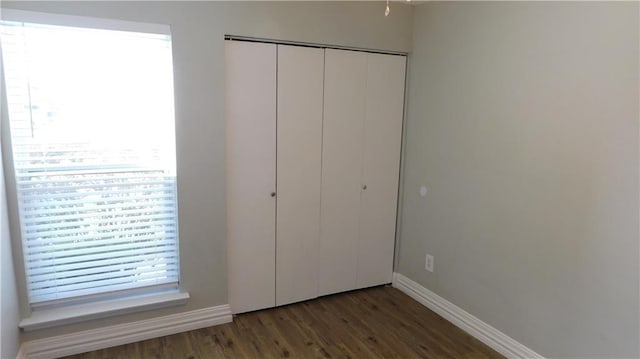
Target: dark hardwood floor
[[379, 322]]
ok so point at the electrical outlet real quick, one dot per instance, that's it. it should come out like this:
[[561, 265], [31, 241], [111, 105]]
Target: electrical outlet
[[428, 263]]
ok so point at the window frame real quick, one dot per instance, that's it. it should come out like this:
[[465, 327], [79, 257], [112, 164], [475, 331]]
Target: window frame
[[72, 310]]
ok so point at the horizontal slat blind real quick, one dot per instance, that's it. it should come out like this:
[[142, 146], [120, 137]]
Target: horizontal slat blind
[[95, 181]]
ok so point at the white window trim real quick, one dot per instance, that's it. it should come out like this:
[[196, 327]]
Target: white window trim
[[47, 318], [58, 316]]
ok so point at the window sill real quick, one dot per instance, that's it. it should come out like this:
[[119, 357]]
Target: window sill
[[47, 318]]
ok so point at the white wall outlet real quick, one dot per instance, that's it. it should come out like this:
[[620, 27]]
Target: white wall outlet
[[428, 263]]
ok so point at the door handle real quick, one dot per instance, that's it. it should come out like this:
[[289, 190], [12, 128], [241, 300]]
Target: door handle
[[273, 194], [364, 186]]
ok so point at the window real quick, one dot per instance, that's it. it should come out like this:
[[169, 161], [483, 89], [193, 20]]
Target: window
[[93, 144]]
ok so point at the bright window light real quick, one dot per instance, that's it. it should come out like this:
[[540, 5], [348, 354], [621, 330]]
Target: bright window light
[[93, 145]]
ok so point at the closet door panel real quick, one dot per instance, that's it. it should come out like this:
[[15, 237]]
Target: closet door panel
[[383, 133], [342, 151], [251, 177], [300, 92]]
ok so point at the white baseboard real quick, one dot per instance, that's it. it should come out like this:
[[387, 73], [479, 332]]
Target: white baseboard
[[21, 354], [482, 331], [101, 338]]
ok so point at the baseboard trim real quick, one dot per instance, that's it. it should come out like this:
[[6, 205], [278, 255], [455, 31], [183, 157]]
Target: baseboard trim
[[95, 339], [482, 331], [21, 354]]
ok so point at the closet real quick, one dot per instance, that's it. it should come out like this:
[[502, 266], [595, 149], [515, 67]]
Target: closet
[[313, 150]]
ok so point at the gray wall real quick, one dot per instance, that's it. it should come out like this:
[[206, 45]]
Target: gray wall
[[9, 305], [198, 29], [523, 124]]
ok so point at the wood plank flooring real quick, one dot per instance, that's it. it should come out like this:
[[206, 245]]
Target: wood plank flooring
[[379, 322]]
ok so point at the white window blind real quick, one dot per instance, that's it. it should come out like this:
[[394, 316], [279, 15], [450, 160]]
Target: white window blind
[[92, 129]]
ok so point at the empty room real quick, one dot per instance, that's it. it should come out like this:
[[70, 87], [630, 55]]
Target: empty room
[[319, 179]]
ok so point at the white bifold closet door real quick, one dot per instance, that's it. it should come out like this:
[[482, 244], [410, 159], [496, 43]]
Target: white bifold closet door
[[380, 168], [313, 153], [299, 144], [274, 142], [342, 152], [362, 129], [251, 174]]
